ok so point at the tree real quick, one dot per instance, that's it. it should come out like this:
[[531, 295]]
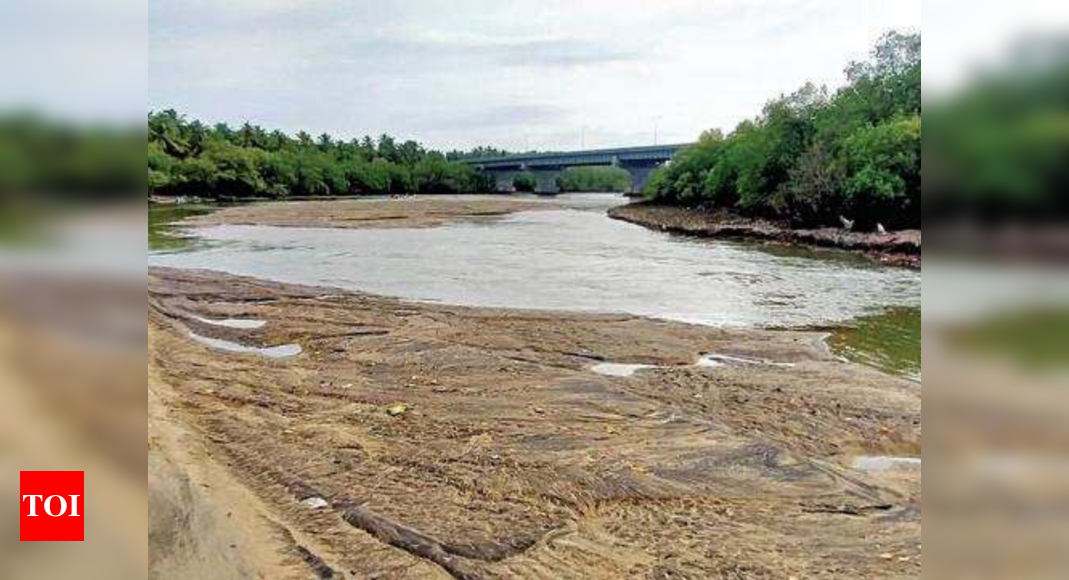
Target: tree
[[814, 193], [388, 148], [222, 132], [194, 176], [157, 180], [894, 54], [883, 174], [187, 158], [279, 171], [410, 153], [594, 179], [236, 170], [682, 181], [810, 156], [326, 143], [276, 141], [525, 182]]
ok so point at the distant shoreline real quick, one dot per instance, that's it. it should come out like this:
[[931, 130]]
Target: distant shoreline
[[901, 248], [370, 212]]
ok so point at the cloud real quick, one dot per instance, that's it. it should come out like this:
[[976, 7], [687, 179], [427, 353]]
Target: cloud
[[484, 72], [561, 53], [496, 116], [430, 52]]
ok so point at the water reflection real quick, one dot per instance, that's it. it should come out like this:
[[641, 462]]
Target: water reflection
[[238, 323], [280, 351], [164, 233], [889, 340]]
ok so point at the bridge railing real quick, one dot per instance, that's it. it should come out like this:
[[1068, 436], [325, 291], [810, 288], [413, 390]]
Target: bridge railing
[[591, 157]]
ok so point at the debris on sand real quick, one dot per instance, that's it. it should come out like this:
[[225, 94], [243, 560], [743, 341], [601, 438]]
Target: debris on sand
[[314, 503]]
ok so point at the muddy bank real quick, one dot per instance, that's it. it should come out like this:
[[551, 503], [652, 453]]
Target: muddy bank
[[901, 248], [431, 441], [420, 211]]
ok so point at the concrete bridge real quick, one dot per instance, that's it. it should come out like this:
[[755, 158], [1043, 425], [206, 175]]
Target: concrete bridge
[[547, 167]]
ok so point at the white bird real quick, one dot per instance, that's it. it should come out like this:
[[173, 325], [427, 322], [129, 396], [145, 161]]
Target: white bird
[[847, 224], [880, 229]]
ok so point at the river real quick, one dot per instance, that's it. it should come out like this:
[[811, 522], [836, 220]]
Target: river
[[571, 256]]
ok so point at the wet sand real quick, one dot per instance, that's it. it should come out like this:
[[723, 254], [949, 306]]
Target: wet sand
[[479, 443], [421, 211]]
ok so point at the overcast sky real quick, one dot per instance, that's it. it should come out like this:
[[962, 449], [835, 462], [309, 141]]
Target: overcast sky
[[517, 74]]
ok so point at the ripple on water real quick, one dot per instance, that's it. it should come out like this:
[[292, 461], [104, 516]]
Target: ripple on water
[[561, 259], [581, 260], [280, 351]]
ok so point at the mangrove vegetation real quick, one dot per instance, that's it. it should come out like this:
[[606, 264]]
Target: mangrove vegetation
[[189, 158], [814, 155], [589, 179]]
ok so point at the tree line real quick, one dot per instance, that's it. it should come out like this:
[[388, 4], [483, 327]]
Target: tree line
[[579, 180], [485, 152], [190, 158], [813, 156], [595, 179]]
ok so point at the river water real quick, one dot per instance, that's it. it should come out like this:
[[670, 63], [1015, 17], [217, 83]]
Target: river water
[[572, 257]]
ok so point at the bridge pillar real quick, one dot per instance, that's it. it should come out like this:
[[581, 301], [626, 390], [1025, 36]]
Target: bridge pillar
[[547, 180], [503, 179], [640, 174]]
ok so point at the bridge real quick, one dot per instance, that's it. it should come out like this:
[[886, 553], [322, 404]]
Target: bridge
[[547, 167]]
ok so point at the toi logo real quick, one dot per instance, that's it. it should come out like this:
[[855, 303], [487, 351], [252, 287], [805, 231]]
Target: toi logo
[[51, 506]]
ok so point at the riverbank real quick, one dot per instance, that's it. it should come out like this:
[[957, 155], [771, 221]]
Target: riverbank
[[409, 212], [415, 440], [901, 248]]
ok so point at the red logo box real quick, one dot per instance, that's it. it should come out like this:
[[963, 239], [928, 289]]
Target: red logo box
[[51, 506]]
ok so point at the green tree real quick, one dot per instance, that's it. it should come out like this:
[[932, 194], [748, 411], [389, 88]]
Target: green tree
[[814, 193], [594, 179], [237, 170], [388, 148], [883, 174], [279, 172], [187, 158], [810, 156], [157, 180], [525, 182], [194, 176]]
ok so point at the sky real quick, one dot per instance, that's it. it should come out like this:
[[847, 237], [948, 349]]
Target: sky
[[542, 74]]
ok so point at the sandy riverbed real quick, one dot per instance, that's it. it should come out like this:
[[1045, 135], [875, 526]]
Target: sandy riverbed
[[430, 441], [422, 211], [511, 457]]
